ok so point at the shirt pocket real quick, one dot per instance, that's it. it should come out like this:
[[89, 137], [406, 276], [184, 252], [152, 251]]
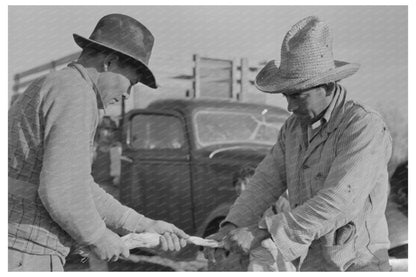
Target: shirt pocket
[[338, 248]]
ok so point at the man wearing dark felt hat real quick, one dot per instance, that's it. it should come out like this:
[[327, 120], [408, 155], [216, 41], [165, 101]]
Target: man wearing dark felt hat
[[53, 200], [331, 155]]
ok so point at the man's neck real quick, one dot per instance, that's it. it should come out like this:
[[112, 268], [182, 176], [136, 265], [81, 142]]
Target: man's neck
[[90, 68], [323, 113], [320, 116], [93, 74]]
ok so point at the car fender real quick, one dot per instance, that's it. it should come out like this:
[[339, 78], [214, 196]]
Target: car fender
[[220, 211]]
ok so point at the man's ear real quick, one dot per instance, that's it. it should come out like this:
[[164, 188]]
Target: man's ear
[[139, 76], [329, 88], [110, 60]]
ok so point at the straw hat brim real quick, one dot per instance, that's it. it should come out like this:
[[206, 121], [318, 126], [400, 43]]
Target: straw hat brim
[[148, 80], [271, 80]]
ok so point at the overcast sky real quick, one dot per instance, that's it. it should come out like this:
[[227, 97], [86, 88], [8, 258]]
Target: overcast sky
[[374, 36]]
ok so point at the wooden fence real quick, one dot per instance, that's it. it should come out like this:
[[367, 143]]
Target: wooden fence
[[196, 76]]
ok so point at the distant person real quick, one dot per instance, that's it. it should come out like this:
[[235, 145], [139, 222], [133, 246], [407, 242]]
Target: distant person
[[53, 200], [106, 159], [331, 155]]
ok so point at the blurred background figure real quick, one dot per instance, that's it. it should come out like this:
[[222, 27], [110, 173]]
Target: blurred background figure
[[106, 159]]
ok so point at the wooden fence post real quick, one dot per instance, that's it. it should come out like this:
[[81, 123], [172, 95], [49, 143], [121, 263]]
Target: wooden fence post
[[234, 80], [197, 76], [244, 78]]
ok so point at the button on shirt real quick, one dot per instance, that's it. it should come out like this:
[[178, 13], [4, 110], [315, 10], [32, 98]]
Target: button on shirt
[[314, 128], [339, 177]]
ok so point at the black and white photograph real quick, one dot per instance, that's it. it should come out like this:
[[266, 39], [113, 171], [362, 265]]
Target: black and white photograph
[[207, 138]]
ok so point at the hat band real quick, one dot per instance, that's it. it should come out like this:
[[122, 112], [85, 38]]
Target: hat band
[[298, 68]]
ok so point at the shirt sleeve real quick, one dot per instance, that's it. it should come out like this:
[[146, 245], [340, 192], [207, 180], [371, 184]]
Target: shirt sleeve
[[68, 115], [363, 151], [118, 217], [264, 188]]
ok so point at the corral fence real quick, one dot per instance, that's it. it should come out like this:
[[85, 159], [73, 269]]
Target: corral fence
[[177, 77]]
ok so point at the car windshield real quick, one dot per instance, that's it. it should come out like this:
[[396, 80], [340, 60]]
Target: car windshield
[[220, 126]]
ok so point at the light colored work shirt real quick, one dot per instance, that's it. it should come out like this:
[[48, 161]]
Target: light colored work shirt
[[336, 181]]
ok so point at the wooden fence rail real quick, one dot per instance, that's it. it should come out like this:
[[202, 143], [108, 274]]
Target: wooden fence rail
[[235, 77]]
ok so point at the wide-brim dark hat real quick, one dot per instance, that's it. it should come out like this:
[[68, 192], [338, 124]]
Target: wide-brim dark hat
[[306, 60], [126, 36]]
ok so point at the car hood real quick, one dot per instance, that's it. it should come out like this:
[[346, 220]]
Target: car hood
[[233, 151]]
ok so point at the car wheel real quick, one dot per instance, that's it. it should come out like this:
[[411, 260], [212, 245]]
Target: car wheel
[[213, 227]]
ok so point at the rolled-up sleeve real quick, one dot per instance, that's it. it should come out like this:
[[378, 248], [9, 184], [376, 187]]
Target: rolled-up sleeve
[[362, 152], [264, 188], [68, 114]]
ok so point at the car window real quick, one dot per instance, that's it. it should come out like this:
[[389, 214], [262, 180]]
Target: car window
[[217, 126], [150, 131]]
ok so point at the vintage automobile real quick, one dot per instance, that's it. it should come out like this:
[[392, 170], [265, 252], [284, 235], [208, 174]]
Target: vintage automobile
[[180, 157]]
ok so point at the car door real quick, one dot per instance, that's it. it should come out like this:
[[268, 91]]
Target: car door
[[156, 164]]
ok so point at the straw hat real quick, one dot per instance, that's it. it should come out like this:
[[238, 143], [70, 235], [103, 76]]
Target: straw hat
[[126, 36], [306, 60]]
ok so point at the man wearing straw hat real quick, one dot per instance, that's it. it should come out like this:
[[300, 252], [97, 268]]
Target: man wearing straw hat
[[331, 155], [53, 200]]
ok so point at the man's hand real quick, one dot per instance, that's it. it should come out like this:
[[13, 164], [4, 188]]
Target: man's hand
[[243, 240], [218, 253], [172, 238], [109, 247]]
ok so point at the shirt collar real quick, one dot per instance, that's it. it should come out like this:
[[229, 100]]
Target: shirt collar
[[90, 77], [314, 128], [327, 115], [318, 123]]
